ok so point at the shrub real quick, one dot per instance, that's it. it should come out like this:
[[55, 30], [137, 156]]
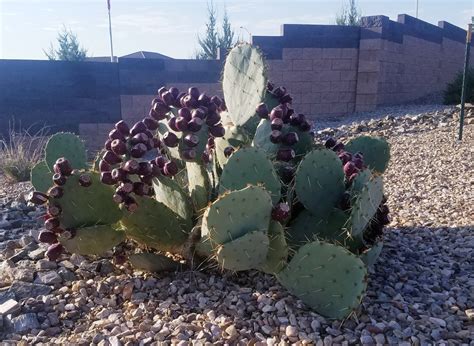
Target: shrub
[[452, 93], [20, 151]]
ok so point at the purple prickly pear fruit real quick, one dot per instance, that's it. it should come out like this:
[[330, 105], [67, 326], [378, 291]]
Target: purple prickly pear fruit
[[211, 144], [139, 127], [338, 147], [344, 156], [384, 220], [106, 178], [155, 142], [172, 124], [286, 98], [47, 237], [223, 107], [54, 251], [160, 161], [122, 127], [262, 110], [206, 157], [150, 123], [213, 119], [279, 92], [140, 188], [203, 99], [138, 150], [330, 143], [170, 168], [191, 140], [118, 198], [168, 98], [359, 155], [276, 112], [170, 139], [217, 131], [118, 174], [155, 170], [216, 100], [116, 134], [56, 192], [181, 124], [144, 168], [69, 233], [384, 209], [159, 111], [287, 173], [180, 96], [119, 147], [131, 204], [54, 210], [270, 86], [131, 166], [296, 119], [108, 144], [358, 162], [51, 223], [85, 180], [162, 90], [277, 124], [146, 179], [228, 151], [139, 138], [190, 102], [350, 169], [189, 154], [281, 212], [38, 198], [198, 113], [59, 179], [290, 138], [111, 158], [285, 154], [62, 166], [275, 136], [185, 113], [305, 126], [125, 188], [212, 108], [194, 92], [104, 166], [195, 124], [174, 91]]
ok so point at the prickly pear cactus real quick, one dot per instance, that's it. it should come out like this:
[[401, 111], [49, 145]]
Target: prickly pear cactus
[[93, 240], [152, 262], [66, 145], [41, 176], [277, 255], [376, 151]]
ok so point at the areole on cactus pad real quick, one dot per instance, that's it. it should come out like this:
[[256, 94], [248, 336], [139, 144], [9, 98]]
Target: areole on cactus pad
[[237, 182]]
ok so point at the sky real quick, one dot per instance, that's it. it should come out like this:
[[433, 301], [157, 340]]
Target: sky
[[172, 27]]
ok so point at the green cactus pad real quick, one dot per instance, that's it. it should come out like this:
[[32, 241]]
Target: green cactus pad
[[170, 193], [97, 159], [370, 256], [250, 166], [327, 278], [198, 185], [244, 84], [262, 139], [244, 253], [94, 240], [203, 135], [156, 225], [66, 145], [87, 206], [366, 205], [153, 263], [235, 137], [360, 181], [277, 250], [41, 177], [376, 151], [162, 129], [236, 213], [319, 182], [204, 247]]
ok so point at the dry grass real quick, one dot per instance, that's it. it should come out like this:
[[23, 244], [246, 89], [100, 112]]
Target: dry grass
[[21, 151]]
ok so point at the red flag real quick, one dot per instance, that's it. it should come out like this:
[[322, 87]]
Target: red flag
[[108, 4]]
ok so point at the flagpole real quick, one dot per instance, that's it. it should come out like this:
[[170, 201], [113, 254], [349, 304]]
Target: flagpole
[[110, 34]]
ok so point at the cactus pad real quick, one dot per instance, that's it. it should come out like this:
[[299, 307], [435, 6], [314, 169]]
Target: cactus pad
[[319, 181], [370, 256], [170, 193], [326, 277], [360, 181], [156, 225], [152, 262], [244, 253], [94, 240], [277, 249], [244, 84], [66, 145], [366, 205], [250, 166], [376, 151], [237, 213], [87, 206], [198, 185], [235, 137], [41, 177]]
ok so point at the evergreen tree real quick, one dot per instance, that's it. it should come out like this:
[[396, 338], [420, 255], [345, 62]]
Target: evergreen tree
[[68, 49], [226, 40], [349, 15]]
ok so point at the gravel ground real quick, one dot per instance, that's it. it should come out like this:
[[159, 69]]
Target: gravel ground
[[420, 292]]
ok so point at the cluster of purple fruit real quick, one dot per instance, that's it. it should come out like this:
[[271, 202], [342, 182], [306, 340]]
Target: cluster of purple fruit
[[283, 115], [376, 225], [123, 159], [352, 163], [62, 170], [189, 112], [281, 212]]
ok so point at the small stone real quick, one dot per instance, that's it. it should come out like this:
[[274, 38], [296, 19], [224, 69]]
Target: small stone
[[37, 254], [23, 290], [127, 290], [438, 321], [49, 278], [366, 339], [379, 339], [25, 322], [231, 331], [11, 306], [291, 331], [315, 325], [470, 314], [44, 264]]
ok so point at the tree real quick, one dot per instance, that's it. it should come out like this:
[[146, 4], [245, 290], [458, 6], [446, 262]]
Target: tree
[[213, 40], [68, 49], [349, 15]]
